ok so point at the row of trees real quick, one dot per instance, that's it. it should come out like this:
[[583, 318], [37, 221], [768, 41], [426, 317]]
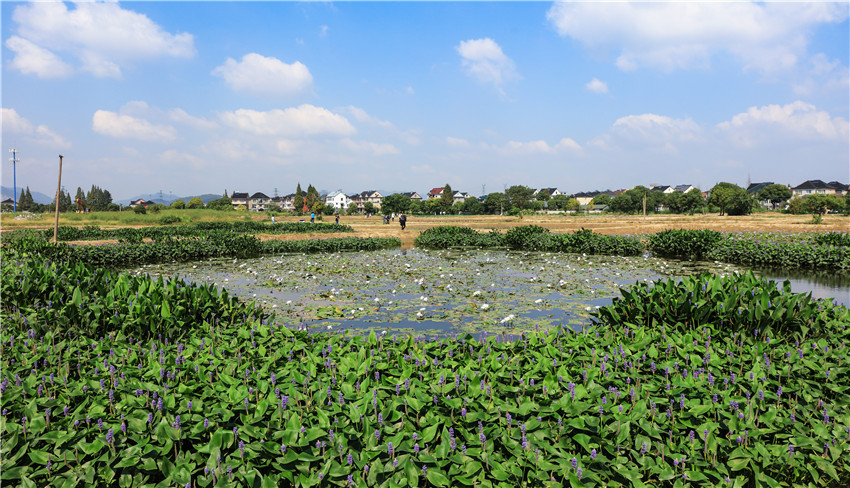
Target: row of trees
[[97, 199]]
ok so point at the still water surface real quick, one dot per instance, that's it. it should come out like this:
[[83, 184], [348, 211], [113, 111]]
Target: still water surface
[[420, 291]]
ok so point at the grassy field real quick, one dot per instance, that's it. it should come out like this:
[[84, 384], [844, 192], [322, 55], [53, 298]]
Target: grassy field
[[374, 227]]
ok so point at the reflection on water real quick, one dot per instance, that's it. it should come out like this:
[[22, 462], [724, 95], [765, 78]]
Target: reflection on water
[[821, 284]]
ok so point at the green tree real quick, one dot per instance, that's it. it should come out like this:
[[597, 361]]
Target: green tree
[[311, 197], [847, 203], [64, 201], [395, 203], [797, 205], [543, 196], [497, 203], [178, 204], [81, 195], [688, 202], [369, 208], [415, 207], [352, 208], [318, 207], [775, 193], [602, 199], [98, 199], [195, 203], [447, 199], [572, 205], [224, 203], [623, 203], [558, 202], [298, 200], [730, 198], [519, 196], [471, 206], [433, 206], [821, 204]]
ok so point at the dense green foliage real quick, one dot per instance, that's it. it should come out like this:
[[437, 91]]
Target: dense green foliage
[[762, 250], [444, 237], [209, 244], [133, 234], [682, 243], [673, 398], [93, 302], [531, 238], [816, 251], [731, 199], [331, 245], [833, 239]]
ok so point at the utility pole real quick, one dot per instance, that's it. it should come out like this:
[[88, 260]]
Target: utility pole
[[58, 189], [14, 159]]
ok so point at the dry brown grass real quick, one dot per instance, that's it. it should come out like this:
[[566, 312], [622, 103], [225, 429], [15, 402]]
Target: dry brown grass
[[604, 224]]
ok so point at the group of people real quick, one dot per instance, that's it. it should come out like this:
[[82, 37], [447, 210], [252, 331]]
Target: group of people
[[402, 220]]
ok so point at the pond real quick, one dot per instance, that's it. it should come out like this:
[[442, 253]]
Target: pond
[[423, 292]]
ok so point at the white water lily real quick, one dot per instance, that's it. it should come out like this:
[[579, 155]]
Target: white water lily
[[476, 293], [539, 300], [508, 318], [485, 306]]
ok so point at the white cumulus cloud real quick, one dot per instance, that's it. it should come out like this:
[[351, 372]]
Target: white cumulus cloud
[[779, 122], [14, 123], [123, 126], [304, 120], [31, 59], [103, 37], [265, 76], [766, 36], [484, 60], [597, 86], [653, 128], [539, 147]]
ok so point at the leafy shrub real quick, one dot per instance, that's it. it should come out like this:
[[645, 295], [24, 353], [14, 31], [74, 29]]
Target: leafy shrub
[[169, 219], [736, 304], [694, 244], [833, 239], [140, 209], [765, 252], [444, 237], [200, 229], [85, 300], [521, 237], [331, 245]]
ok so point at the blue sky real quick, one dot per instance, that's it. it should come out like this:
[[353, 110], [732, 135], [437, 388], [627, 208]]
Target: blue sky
[[199, 97]]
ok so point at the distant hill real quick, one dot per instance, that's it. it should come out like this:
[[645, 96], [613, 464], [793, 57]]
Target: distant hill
[[168, 198], [37, 197]]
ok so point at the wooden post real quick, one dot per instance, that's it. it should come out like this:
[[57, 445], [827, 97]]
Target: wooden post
[[58, 189]]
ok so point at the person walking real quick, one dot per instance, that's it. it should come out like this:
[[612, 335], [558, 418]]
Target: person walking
[[402, 220], [313, 218], [336, 220]]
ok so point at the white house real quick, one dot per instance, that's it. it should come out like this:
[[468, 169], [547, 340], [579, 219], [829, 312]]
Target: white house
[[338, 200]]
